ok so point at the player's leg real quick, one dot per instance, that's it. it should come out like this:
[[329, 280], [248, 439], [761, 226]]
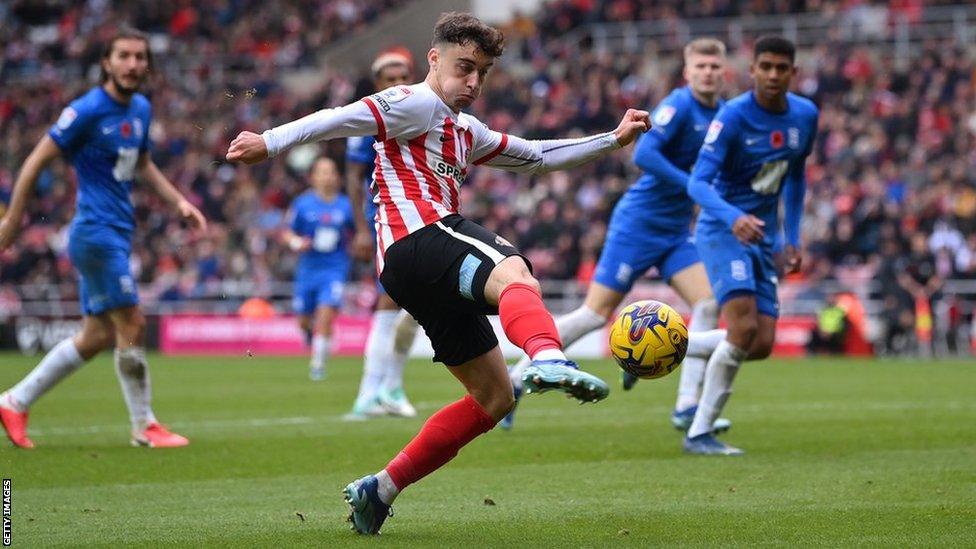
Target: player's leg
[[742, 319], [526, 322], [685, 272], [391, 393], [733, 274], [132, 369], [377, 357], [599, 304], [61, 361], [321, 341], [328, 299]]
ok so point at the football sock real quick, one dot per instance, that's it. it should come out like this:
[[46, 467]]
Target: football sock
[[703, 344], [321, 346], [385, 489], [133, 374], [57, 364], [704, 316], [379, 353], [526, 321], [719, 373], [405, 329], [571, 327], [438, 441]]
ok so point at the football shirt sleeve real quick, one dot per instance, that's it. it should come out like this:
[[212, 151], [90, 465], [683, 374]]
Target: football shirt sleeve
[[401, 110], [70, 130], [716, 147], [667, 121], [515, 154], [353, 119], [795, 191]]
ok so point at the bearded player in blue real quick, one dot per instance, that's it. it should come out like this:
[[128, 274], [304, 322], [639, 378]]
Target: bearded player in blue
[[104, 134], [651, 227], [755, 150], [320, 222], [392, 329]]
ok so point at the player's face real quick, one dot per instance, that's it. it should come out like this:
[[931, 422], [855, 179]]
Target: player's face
[[392, 75], [324, 176], [772, 73], [459, 72], [704, 73], [128, 64]]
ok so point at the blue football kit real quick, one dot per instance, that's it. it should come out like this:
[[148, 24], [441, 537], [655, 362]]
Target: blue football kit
[[103, 140], [749, 158], [323, 269], [650, 225]]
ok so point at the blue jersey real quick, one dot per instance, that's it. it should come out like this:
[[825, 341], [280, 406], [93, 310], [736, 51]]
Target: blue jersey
[[327, 225], [750, 156], [666, 154], [360, 150], [103, 139]]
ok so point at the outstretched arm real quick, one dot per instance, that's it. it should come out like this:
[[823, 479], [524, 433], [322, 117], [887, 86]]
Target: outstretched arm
[[149, 172], [649, 158], [353, 119], [45, 151], [533, 156]]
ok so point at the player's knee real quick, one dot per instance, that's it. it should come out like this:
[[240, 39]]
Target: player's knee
[[743, 332], [762, 347], [496, 401], [133, 330]]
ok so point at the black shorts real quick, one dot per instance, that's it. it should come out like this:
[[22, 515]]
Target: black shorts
[[438, 274]]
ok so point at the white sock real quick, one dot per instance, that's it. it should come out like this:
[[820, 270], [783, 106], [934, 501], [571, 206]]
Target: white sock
[[56, 365], [704, 316], [321, 347], [405, 330], [719, 373], [385, 487], [133, 373], [571, 326], [549, 354], [703, 344], [379, 354]]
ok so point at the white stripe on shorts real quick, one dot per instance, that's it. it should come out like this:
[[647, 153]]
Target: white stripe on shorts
[[492, 253]]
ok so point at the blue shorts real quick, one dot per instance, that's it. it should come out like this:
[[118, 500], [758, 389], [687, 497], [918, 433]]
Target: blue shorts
[[101, 256], [322, 290], [735, 269], [627, 255]]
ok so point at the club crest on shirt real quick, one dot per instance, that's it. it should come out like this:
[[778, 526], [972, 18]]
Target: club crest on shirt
[[793, 137], [68, 115], [663, 115]]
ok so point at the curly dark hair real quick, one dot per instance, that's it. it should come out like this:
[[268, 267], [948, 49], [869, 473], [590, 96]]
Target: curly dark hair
[[463, 28]]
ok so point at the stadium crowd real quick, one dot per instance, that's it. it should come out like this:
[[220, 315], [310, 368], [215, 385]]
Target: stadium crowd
[[892, 195]]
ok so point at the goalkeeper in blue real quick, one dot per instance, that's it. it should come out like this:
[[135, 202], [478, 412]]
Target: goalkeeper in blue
[[651, 227], [755, 150]]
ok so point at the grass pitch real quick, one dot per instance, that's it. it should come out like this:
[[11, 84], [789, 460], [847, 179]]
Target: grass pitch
[[839, 453]]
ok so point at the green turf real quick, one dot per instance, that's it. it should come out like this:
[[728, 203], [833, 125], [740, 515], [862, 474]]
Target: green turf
[[839, 453]]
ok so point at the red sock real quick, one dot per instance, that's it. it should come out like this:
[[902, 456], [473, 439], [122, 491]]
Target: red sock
[[525, 319], [439, 440]]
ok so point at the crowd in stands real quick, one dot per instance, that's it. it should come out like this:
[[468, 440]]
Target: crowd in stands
[[892, 195]]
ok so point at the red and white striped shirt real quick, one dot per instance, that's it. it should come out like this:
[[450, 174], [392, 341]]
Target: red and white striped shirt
[[423, 150]]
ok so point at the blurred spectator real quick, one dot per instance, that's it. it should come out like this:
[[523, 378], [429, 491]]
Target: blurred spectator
[[830, 333]]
